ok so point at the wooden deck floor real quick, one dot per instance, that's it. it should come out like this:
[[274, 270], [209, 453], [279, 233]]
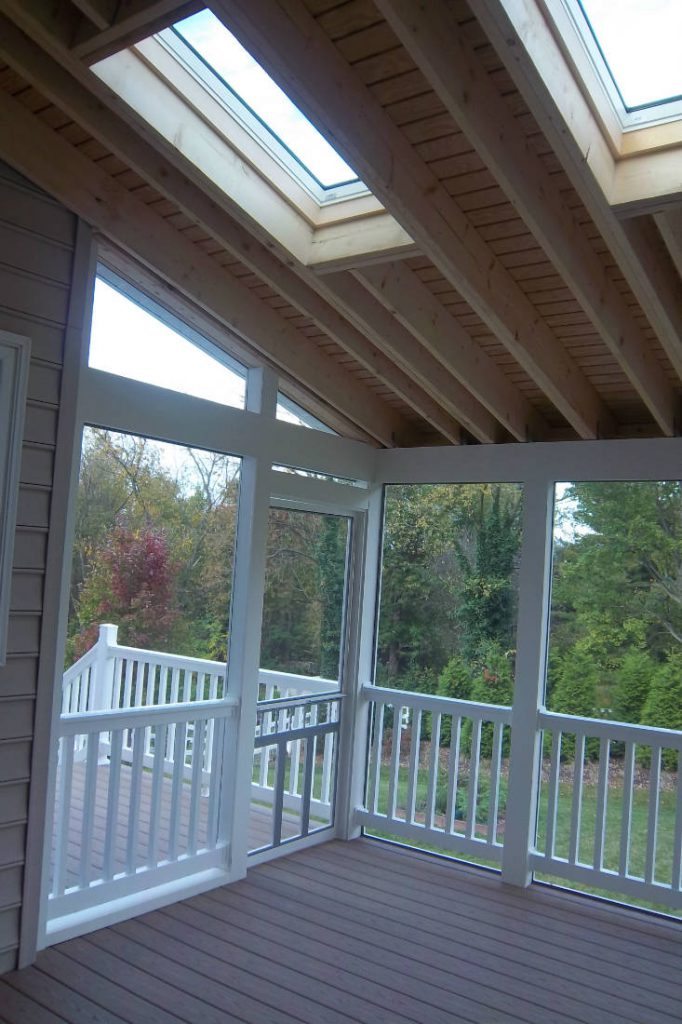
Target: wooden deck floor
[[362, 932]]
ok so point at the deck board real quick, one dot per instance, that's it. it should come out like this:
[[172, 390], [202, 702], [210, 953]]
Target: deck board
[[363, 932]]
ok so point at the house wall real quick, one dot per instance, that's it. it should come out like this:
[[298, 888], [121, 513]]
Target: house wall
[[37, 246]]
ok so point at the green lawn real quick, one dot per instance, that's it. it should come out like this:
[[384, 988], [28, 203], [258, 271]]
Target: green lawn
[[640, 812]]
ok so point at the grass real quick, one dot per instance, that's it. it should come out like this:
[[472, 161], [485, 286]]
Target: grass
[[611, 855], [638, 836]]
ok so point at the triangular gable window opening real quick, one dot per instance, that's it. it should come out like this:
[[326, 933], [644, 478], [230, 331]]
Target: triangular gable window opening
[[132, 337]]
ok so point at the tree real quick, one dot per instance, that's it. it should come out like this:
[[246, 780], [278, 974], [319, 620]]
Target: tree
[[663, 707]]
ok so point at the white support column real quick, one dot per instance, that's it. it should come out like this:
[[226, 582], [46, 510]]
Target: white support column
[[355, 720], [531, 658], [245, 633]]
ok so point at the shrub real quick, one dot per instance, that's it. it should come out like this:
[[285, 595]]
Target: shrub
[[663, 707], [632, 685], [575, 693]]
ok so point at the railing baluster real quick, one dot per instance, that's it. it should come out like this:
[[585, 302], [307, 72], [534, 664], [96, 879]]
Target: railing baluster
[[472, 790], [652, 817], [676, 878], [577, 799], [413, 769], [626, 814], [176, 790], [214, 784], [279, 793], [307, 785], [195, 785], [494, 798], [113, 790], [128, 685], [327, 769], [453, 774], [138, 744], [602, 799], [63, 814], [89, 802], [394, 771], [434, 759], [375, 765], [157, 788], [553, 792]]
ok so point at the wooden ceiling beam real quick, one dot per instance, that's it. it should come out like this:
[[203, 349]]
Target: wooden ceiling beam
[[525, 44], [287, 41], [377, 323], [429, 32], [38, 152], [100, 12], [418, 309], [134, 20], [669, 225], [184, 185]]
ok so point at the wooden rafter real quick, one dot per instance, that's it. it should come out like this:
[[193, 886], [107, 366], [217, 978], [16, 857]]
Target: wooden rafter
[[429, 32], [298, 284], [411, 302], [670, 226], [53, 164], [397, 342], [131, 20], [515, 27], [295, 51]]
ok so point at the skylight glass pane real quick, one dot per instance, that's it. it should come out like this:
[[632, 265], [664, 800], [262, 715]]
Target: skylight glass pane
[[131, 342], [218, 48], [641, 41]]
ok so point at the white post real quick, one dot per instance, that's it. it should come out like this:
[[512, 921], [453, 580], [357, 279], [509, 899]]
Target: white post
[[362, 612], [102, 686], [531, 659], [245, 633]]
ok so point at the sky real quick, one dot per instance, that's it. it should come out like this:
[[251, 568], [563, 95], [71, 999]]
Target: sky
[[642, 43], [234, 64], [131, 342]]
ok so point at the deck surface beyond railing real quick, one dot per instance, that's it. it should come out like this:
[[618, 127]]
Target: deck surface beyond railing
[[363, 932]]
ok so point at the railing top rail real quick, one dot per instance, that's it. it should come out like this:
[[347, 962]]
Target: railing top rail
[[75, 670], [604, 727], [431, 702], [168, 660], [292, 681], [285, 703], [133, 718]]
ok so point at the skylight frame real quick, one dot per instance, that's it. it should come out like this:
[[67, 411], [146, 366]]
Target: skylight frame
[[254, 125], [580, 40]]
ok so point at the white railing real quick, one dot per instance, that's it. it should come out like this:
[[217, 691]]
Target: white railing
[[119, 826], [437, 776], [435, 773], [298, 735], [141, 736], [286, 686], [617, 841]]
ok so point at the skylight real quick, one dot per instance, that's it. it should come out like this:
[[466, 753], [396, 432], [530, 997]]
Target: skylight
[[244, 77], [641, 43]]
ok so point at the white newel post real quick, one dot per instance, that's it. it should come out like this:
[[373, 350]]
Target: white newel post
[[103, 683], [531, 656]]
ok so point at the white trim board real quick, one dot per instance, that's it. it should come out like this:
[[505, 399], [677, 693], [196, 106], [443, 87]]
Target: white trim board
[[15, 353]]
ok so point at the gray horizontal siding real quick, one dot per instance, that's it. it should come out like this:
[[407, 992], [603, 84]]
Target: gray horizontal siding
[[37, 238]]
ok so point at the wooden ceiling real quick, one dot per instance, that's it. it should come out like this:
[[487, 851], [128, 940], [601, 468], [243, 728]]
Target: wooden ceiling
[[530, 312]]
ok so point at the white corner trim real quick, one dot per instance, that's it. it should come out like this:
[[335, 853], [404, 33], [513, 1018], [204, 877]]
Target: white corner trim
[[14, 360]]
